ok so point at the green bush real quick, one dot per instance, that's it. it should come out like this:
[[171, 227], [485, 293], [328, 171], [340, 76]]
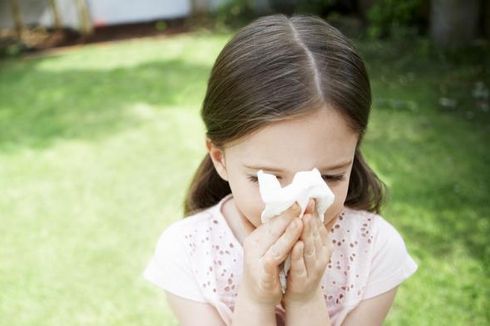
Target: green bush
[[393, 18], [234, 13]]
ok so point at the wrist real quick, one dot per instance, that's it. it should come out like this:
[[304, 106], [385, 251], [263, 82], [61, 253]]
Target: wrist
[[291, 301], [251, 300], [249, 311], [308, 310]]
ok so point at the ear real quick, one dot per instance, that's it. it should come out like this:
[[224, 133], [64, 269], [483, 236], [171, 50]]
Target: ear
[[217, 155]]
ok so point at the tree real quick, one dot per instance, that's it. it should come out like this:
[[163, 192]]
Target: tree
[[454, 23]]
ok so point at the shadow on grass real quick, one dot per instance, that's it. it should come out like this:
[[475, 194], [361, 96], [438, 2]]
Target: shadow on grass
[[447, 219], [439, 180], [415, 75], [38, 106], [442, 172], [436, 157]]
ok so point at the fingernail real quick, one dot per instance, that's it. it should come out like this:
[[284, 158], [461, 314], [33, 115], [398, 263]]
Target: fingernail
[[311, 204], [296, 207]]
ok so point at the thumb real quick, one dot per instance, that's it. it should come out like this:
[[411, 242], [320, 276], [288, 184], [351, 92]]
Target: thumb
[[247, 226]]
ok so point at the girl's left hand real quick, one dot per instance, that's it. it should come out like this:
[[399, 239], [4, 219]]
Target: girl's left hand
[[309, 258]]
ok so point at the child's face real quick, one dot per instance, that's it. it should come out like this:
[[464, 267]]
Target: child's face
[[320, 140]]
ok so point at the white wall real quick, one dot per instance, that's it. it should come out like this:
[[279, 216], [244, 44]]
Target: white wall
[[103, 12], [110, 12]]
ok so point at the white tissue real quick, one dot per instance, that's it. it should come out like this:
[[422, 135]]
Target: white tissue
[[305, 185]]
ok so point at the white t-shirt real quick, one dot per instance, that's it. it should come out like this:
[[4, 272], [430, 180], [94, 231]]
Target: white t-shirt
[[199, 258]]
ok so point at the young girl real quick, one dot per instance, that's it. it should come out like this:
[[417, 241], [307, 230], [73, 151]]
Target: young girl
[[286, 94]]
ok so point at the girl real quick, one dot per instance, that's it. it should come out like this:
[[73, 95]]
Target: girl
[[286, 94]]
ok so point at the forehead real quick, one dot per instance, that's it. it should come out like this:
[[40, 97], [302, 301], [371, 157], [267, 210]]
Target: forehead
[[322, 138]]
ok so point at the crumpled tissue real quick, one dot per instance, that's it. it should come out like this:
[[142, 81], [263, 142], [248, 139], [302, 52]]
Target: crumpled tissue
[[305, 185]]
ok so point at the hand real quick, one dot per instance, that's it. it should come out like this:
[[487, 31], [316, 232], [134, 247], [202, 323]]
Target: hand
[[264, 250], [309, 258]]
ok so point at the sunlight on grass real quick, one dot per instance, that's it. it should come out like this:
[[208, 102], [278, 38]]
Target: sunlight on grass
[[134, 53], [79, 209]]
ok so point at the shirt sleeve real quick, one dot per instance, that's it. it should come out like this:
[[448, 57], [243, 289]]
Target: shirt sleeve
[[170, 267], [391, 264]]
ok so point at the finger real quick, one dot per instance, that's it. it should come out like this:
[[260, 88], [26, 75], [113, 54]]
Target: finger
[[310, 208], [309, 251], [324, 243], [322, 230], [298, 267], [268, 276], [278, 252], [317, 238], [267, 234]]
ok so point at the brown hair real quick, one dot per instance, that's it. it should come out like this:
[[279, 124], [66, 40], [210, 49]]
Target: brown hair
[[278, 68]]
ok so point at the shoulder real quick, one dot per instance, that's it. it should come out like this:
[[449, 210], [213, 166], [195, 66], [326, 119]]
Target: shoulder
[[176, 241], [368, 226], [184, 230], [388, 262], [171, 267]]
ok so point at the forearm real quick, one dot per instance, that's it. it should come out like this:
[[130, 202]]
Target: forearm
[[247, 312], [312, 312]]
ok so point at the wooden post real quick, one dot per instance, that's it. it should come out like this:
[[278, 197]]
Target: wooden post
[[56, 14], [86, 26], [200, 8], [19, 25]]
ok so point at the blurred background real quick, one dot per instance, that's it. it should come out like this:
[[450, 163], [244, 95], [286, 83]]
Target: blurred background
[[100, 134]]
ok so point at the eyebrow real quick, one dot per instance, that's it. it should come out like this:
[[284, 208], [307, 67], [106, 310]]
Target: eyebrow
[[269, 168]]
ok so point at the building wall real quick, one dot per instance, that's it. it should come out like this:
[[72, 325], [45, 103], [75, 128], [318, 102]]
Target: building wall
[[102, 12]]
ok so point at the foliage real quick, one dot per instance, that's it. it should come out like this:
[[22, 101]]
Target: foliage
[[234, 14], [392, 18]]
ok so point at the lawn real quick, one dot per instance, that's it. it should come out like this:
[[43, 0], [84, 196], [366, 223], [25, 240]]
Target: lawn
[[98, 144]]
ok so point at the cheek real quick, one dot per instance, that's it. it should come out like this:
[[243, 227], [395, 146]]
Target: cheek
[[247, 199], [340, 192]]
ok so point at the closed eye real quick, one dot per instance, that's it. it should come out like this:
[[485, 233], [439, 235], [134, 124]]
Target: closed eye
[[337, 177], [332, 178]]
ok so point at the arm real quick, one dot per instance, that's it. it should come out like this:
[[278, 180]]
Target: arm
[[312, 312], [189, 312], [247, 312], [251, 312], [370, 312], [373, 311]]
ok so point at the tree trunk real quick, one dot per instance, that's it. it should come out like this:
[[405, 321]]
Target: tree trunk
[[454, 23], [486, 18]]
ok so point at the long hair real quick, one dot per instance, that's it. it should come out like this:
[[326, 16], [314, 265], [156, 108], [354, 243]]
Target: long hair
[[278, 68]]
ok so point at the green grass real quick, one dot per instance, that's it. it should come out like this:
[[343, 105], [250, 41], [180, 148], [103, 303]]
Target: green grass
[[98, 144]]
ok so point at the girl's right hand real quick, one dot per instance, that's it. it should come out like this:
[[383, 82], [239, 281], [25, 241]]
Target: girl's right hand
[[265, 249]]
